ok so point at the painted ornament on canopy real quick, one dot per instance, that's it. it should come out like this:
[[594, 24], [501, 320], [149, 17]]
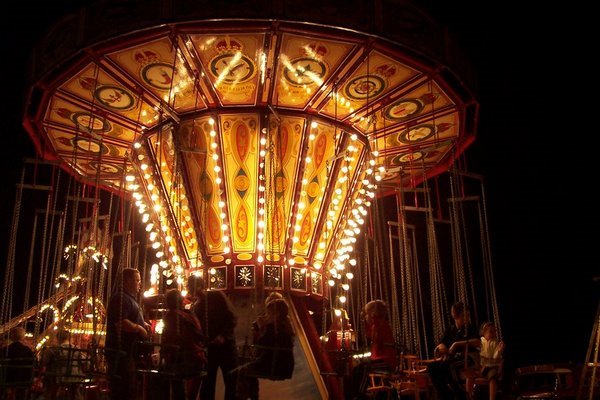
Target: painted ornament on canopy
[[408, 107], [153, 71], [302, 73], [233, 70], [369, 86], [86, 121]]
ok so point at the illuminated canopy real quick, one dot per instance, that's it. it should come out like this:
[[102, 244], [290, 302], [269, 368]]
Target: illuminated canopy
[[252, 147]]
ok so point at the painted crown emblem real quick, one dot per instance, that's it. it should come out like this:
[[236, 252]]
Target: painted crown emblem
[[145, 57], [228, 45], [386, 70], [314, 50]]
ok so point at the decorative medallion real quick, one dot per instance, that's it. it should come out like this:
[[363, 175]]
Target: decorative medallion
[[417, 134], [281, 184], [364, 87], [305, 71], [87, 145], [105, 168], [272, 277], [313, 189], [114, 97], [298, 278], [232, 67], [406, 158], [87, 122], [402, 109], [241, 183], [158, 75], [244, 276]]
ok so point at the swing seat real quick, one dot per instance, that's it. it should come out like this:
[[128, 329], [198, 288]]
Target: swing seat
[[70, 365], [379, 383]]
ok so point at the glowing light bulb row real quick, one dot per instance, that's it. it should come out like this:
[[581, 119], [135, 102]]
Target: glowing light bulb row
[[55, 311], [296, 219], [64, 278], [337, 199], [160, 234], [339, 276], [181, 79], [261, 197], [214, 146]]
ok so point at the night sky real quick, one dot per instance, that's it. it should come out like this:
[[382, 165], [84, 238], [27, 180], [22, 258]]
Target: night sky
[[533, 148]]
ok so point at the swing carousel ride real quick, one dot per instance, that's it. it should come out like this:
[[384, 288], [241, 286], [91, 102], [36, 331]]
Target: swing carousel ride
[[267, 146]]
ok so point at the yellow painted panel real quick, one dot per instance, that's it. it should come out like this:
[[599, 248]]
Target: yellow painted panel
[[232, 64], [426, 99], [95, 86], [304, 65], [68, 116], [376, 76], [281, 167], [165, 153], [320, 150], [195, 138], [339, 212], [160, 69], [239, 133]]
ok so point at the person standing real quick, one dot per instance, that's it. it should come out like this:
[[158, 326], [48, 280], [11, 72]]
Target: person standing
[[125, 325], [215, 312], [186, 356], [444, 372]]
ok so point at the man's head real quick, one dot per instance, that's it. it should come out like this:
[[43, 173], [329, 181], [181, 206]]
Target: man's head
[[132, 281], [460, 314], [17, 334]]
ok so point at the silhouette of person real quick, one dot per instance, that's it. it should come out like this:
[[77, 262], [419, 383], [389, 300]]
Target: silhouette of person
[[215, 312], [183, 329], [19, 363], [444, 373], [125, 325]]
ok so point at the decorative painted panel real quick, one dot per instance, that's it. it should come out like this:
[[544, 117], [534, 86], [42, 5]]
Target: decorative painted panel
[[240, 159], [232, 64], [161, 70], [305, 64], [96, 87], [195, 141]]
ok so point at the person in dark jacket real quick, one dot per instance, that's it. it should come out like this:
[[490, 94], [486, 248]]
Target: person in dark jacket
[[444, 372], [125, 325], [215, 312], [184, 351]]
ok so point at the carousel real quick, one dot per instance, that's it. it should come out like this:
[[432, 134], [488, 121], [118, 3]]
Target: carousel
[[266, 146]]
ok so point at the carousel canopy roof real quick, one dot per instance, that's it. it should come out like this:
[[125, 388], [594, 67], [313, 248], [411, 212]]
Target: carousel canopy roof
[[253, 135]]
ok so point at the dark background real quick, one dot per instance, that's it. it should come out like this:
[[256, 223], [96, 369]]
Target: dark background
[[534, 147]]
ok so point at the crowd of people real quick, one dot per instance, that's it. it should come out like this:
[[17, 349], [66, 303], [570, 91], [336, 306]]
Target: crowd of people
[[198, 340]]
